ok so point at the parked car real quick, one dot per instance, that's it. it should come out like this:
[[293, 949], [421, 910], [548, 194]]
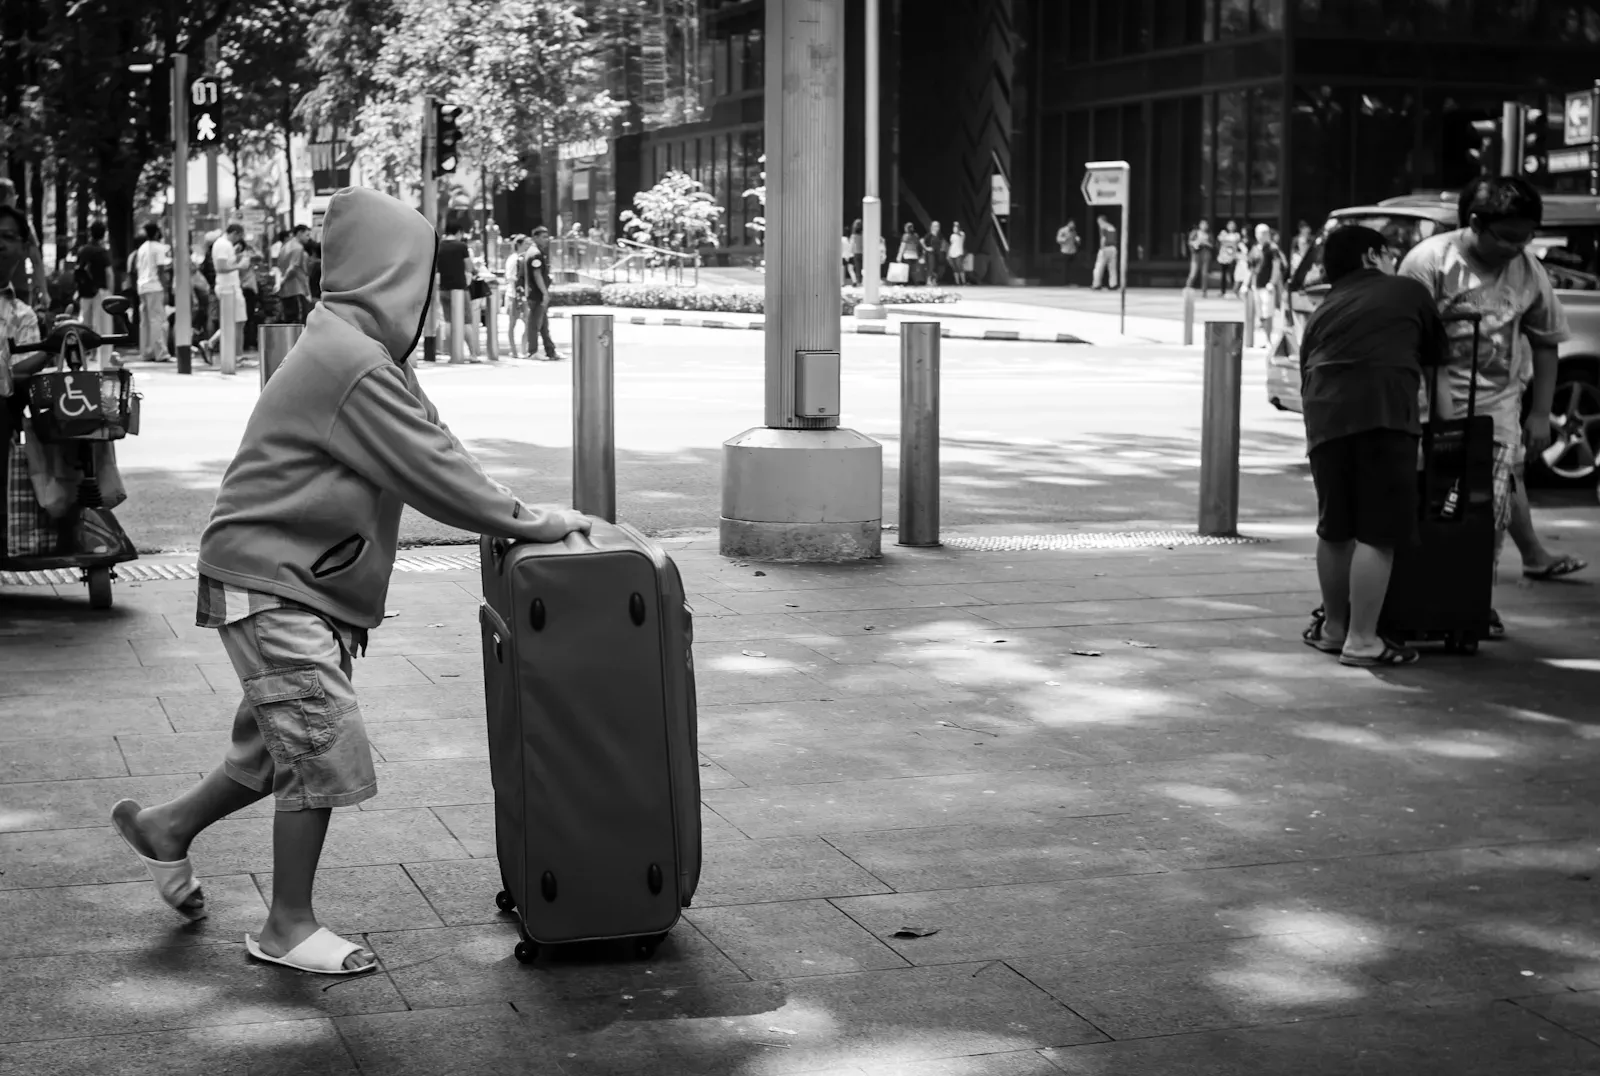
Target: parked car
[[1568, 243]]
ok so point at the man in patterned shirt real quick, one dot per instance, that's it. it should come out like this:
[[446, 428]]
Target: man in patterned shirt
[[295, 566]]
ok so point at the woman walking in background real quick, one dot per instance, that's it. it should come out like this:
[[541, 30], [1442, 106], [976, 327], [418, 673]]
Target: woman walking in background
[[958, 253], [858, 251], [910, 256], [1200, 257]]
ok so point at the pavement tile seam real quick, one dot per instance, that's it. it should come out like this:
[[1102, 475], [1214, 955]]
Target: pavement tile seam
[[1592, 1039], [65, 1042]]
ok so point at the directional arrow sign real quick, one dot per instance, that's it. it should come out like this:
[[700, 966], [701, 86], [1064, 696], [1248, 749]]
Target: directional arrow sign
[[1578, 119], [1105, 183]]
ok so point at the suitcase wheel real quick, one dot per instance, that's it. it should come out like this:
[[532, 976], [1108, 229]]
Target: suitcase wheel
[[504, 902], [646, 947], [526, 952]]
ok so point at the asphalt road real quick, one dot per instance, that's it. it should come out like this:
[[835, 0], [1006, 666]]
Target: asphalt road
[[1033, 433]]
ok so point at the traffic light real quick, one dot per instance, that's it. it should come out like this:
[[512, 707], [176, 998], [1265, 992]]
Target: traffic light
[[1535, 144], [205, 112], [1487, 150], [446, 136], [149, 103]]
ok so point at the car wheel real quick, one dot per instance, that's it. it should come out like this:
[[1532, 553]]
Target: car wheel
[[1574, 430]]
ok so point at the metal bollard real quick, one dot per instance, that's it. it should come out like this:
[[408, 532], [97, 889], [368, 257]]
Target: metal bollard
[[594, 444], [458, 325], [230, 355], [1219, 429], [919, 434], [1249, 316], [1188, 317], [276, 340], [492, 321]]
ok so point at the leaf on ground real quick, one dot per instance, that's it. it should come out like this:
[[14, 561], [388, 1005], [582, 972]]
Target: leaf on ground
[[1088, 653], [915, 932], [386, 616], [753, 653], [1142, 646], [761, 573]]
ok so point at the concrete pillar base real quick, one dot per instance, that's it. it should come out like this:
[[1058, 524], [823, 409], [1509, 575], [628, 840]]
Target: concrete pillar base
[[869, 311], [802, 495], [801, 543]]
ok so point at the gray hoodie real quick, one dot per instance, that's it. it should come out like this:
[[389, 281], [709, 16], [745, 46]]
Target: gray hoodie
[[343, 436]]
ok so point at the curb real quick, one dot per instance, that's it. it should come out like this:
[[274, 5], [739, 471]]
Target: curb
[[847, 325]]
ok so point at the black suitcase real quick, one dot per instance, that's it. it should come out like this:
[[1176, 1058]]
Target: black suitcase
[[589, 686], [1442, 586]]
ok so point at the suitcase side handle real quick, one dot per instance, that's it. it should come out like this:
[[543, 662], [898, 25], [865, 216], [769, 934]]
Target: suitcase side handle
[[491, 622]]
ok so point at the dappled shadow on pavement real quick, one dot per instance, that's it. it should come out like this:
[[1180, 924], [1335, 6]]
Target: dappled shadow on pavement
[[1136, 825], [1089, 478]]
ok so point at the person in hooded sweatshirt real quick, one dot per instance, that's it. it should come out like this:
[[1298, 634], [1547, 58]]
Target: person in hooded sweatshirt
[[295, 564]]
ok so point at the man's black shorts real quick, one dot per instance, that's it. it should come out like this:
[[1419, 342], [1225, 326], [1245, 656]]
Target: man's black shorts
[[1367, 488]]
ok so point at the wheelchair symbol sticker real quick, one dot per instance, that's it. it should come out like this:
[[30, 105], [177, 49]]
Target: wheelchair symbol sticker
[[74, 404]]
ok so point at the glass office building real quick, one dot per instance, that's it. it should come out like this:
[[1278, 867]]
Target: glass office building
[[1270, 111]]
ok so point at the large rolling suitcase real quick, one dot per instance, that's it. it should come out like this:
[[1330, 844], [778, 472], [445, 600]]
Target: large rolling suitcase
[[589, 686], [1441, 589]]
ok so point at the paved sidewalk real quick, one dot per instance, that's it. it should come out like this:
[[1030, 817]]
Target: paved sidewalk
[[957, 322], [1140, 828]]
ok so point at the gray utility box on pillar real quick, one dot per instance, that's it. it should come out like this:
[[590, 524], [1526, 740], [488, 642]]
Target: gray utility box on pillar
[[799, 488], [816, 384]]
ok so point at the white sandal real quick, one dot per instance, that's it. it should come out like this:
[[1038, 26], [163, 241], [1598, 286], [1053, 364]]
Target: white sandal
[[323, 953], [174, 879]]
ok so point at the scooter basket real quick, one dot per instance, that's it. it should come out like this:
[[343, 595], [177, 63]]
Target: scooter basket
[[83, 405]]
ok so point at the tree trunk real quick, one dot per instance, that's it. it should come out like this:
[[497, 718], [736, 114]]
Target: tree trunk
[[63, 204], [288, 155], [119, 224], [36, 199], [238, 195], [83, 215]]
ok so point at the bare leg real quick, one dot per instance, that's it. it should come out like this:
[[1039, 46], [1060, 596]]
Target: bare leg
[[169, 828], [297, 838], [1370, 567], [1333, 573]]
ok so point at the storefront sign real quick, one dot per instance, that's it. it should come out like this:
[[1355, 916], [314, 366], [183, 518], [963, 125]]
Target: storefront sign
[[1579, 118], [589, 147], [1575, 159]]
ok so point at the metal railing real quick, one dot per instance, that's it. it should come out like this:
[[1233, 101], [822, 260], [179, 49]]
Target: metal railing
[[587, 261]]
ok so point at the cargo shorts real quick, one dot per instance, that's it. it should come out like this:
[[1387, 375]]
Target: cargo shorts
[[298, 731]]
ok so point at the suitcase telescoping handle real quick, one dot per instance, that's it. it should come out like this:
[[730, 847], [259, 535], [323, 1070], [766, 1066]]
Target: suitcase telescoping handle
[[1452, 499]]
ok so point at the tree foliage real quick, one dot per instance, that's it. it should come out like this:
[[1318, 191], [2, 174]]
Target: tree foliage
[[676, 213], [528, 72]]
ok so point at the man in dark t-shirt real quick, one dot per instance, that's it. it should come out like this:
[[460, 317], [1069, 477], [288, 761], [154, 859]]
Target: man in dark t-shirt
[[1361, 359], [455, 272]]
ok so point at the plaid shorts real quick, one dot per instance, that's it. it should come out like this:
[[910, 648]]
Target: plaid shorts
[[1507, 473]]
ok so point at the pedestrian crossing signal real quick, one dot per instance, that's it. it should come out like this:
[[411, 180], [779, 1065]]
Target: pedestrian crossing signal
[[205, 111], [446, 136]]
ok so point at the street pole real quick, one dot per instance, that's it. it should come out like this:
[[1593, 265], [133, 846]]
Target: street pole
[[1594, 139], [213, 195], [430, 213], [800, 488], [182, 267], [1219, 429], [1510, 138], [919, 434], [1122, 260], [871, 205], [594, 443]]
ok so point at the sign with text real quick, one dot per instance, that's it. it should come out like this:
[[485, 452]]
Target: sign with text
[[1105, 183], [999, 195], [1578, 119], [1573, 159], [205, 112], [589, 147], [331, 156]]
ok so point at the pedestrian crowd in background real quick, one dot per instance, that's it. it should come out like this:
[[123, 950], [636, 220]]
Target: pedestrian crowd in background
[[926, 258]]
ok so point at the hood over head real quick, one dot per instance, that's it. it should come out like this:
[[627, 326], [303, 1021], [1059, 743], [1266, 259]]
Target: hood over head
[[377, 267]]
